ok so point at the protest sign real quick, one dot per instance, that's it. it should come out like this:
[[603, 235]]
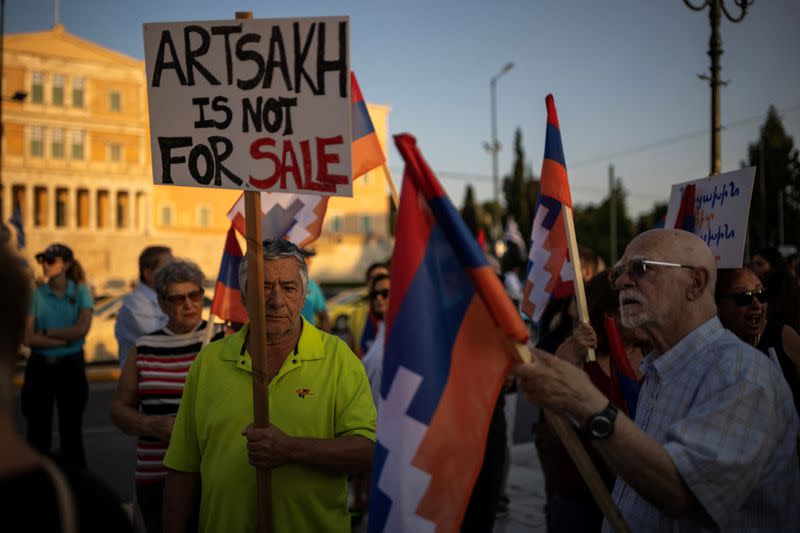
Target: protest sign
[[255, 105], [720, 210]]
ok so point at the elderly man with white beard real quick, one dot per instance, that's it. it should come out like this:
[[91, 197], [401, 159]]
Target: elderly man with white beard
[[714, 442]]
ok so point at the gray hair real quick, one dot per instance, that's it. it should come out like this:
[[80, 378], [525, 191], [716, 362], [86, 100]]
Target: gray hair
[[272, 251], [176, 271]]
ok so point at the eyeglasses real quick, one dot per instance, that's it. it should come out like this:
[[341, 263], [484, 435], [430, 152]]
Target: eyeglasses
[[177, 299], [375, 294], [637, 268], [745, 298]]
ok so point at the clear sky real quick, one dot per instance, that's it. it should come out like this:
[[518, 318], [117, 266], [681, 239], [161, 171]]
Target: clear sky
[[623, 73]]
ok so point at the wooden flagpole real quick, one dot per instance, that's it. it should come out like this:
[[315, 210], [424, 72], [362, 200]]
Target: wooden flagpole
[[563, 429], [257, 337], [392, 186], [591, 476], [580, 294]]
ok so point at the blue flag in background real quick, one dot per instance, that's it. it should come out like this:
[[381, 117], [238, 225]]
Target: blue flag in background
[[16, 221]]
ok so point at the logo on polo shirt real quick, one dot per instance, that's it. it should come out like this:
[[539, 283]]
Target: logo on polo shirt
[[302, 393]]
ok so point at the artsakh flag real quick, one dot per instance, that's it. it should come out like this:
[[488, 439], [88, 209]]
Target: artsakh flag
[[550, 272], [298, 217], [685, 218], [227, 303], [626, 383], [449, 346]]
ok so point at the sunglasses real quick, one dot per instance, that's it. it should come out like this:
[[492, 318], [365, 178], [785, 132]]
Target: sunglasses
[[49, 260], [637, 268], [177, 299], [745, 298], [375, 294]]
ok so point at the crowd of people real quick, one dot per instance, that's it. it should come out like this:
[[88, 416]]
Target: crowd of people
[[707, 438]]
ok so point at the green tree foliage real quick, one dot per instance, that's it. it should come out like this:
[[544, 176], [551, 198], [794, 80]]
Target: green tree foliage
[[652, 218], [778, 165], [521, 189], [593, 225]]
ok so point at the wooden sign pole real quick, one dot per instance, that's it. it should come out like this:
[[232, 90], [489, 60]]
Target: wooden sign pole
[[574, 256], [258, 338], [392, 186]]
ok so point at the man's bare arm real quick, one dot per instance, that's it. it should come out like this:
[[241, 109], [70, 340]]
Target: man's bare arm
[[270, 448], [637, 458], [181, 501]]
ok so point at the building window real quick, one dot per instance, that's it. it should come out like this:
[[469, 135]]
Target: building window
[[115, 152], [82, 208], [62, 198], [40, 207], [58, 90], [37, 141], [57, 144], [165, 214], [115, 101], [37, 88], [123, 209], [78, 138], [77, 92], [336, 224], [102, 209], [366, 224], [204, 216]]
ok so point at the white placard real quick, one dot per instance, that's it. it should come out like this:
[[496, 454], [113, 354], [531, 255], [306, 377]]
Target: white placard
[[721, 209], [258, 105]]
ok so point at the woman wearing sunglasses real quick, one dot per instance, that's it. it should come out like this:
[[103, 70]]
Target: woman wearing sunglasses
[[742, 308], [57, 325], [151, 384]]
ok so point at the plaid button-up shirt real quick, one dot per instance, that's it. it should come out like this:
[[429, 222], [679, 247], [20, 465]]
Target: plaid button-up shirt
[[724, 413]]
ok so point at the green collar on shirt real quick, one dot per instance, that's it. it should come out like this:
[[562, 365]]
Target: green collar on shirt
[[309, 346]]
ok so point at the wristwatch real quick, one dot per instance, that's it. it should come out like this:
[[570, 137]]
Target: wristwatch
[[601, 425]]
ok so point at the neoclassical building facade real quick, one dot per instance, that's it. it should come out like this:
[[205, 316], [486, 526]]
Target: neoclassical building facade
[[76, 163]]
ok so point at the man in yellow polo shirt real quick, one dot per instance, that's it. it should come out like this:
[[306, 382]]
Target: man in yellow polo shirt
[[322, 421]]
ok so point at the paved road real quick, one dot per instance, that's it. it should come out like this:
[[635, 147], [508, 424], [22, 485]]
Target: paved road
[[111, 455]]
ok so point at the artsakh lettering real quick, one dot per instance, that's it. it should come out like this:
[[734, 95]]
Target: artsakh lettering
[[251, 78]]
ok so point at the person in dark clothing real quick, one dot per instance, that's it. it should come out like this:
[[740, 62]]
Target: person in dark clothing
[[743, 307], [481, 511], [35, 494], [58, 321]]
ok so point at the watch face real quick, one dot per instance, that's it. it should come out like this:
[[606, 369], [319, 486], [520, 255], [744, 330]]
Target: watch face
[[600, 427]]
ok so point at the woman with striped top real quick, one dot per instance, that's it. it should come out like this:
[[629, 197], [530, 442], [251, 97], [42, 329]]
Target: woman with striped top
[[151, 384]]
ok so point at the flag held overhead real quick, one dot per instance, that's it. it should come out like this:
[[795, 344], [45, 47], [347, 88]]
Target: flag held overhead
[[550, 272]]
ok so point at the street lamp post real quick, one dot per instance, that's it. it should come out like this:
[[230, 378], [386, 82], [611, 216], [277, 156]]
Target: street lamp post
[[715, 10], [494, 147]]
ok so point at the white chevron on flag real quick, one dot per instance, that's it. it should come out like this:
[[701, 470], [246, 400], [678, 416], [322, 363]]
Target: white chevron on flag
[[402, 482], [539, 277], [303, 218]]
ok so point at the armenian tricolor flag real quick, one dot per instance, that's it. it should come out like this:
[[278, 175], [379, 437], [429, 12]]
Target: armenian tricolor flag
[[626, 384], [227, 303], [299, 217], [685, 218], [550, 272], [448, 349]]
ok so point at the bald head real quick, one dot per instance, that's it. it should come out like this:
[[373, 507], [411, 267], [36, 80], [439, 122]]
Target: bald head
[[670, 302], [675, 246]]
